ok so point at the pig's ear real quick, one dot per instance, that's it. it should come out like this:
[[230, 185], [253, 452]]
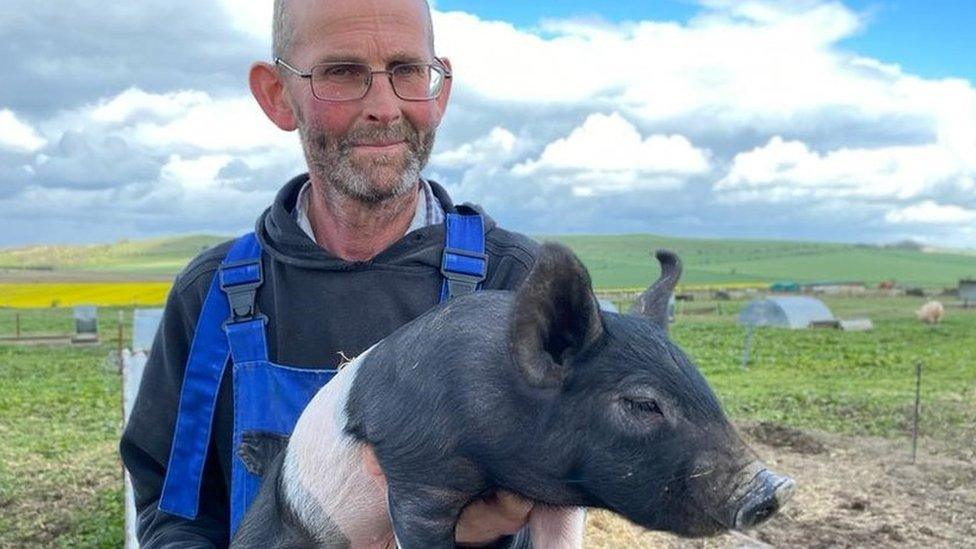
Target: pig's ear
[[653, 303], [556, 317]]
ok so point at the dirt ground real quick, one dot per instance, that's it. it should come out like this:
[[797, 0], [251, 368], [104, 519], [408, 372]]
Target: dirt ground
[[851, 492]]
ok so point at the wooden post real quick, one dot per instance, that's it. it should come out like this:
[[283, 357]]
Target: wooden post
[[121, 321], [17, 322], [918, 394], [746, 347]]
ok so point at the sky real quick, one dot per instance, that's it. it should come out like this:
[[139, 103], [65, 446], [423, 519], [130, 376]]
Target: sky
[[801, 119]]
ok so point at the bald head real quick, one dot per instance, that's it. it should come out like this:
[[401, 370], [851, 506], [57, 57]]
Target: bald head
[[283, 25]]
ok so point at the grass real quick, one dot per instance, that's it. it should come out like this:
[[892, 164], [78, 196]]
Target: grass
[[60, 478], [851, 382], [151, 256], [60, 482], [617, 261], [621, 261]]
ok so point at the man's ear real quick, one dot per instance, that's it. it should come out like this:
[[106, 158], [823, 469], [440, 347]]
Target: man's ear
[[268, 88]]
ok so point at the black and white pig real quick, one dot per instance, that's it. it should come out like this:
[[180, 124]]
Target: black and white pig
[[536, 392]]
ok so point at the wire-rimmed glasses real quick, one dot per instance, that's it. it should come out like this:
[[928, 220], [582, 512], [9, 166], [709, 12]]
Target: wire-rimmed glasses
[[346, 81]]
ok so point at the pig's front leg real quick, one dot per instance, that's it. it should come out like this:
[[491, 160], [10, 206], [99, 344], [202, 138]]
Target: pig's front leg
[[423, 516], [557, 527]]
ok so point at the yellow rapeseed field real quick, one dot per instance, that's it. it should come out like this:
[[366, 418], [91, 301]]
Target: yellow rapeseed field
[[43, 294]]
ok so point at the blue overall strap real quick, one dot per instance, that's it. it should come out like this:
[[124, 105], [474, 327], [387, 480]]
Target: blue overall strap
[[464, 263], [204, 370]]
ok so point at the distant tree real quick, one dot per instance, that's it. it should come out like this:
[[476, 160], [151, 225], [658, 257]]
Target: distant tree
[[907, 244]]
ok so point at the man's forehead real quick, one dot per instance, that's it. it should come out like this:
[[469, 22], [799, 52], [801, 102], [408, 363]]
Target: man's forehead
[[343, 25]]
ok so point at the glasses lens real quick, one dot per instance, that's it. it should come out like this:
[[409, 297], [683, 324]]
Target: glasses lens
[[339, 81], [417, 81]]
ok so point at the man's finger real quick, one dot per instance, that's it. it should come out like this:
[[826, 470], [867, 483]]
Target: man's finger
[[512, 506]]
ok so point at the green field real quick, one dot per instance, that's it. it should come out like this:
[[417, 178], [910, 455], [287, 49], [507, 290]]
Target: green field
[[152, 257], [623, 261], [60, 479], [60, 417], [60, 410], [618, 261]]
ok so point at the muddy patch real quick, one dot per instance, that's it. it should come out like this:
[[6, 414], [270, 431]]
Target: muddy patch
[[783, 436], [851, 492]]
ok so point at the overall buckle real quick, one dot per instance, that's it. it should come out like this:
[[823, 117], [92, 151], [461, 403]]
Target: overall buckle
[[240, 281], [463, 282]]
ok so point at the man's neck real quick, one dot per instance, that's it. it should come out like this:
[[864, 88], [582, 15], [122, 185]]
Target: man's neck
[[354, 230]]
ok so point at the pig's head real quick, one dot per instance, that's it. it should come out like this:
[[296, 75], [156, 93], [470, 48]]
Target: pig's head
[[631, 425]]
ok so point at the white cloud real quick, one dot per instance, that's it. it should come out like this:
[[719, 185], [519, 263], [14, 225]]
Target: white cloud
[[134, 102], [230, 124], [196, 173], [520, 66], [253, 18], [742, 66], [185, 120], [608, 153], [611, 143], [496, 147], [783, 170], [758, 58], [753, 109], [17, 136], [931, 213]]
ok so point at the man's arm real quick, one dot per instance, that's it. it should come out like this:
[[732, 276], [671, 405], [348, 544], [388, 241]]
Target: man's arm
[[145, 444]]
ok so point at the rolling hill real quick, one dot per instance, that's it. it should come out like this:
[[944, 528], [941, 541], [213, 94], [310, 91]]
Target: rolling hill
[[624, 261], [152, 258], [617, 261]]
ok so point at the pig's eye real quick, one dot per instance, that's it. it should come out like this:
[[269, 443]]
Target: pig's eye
[[642, 406]]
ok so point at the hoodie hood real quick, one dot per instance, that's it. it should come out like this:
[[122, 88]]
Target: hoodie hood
[[284, 240]]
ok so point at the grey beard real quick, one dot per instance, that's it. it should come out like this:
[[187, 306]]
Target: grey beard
[[329, 159]]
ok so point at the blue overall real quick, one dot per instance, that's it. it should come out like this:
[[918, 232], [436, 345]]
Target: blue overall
[[268, 397]]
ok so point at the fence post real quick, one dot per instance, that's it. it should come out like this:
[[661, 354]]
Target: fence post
[[918, 392], [746, 347], [17, 322], [121, 321]]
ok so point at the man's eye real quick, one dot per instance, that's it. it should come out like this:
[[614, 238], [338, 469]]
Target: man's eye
[[341, 71], [410, 71]]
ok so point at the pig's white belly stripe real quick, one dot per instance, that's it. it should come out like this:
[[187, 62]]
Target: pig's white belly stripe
[[323, 476]]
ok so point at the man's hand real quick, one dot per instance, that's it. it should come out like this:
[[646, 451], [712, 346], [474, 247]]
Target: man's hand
[[486, 520], [482, 521]]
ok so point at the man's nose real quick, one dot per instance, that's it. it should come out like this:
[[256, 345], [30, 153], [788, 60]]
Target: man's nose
[[381, 103]]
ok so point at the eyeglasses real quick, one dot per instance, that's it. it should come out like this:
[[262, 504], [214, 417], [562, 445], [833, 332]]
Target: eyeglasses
[[351, 81]]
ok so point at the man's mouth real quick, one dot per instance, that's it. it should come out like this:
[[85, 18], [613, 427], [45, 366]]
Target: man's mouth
[[379, 145]]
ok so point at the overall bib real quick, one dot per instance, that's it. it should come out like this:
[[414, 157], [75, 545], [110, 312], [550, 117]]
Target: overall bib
[[268, 397]]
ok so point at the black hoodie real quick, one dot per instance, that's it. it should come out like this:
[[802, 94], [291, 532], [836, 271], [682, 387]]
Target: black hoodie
[[319, 307]]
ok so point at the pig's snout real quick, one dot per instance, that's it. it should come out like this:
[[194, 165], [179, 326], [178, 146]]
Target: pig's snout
[[765, 495]]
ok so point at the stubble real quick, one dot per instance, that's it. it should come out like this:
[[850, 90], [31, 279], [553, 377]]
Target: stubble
[[369, 179]]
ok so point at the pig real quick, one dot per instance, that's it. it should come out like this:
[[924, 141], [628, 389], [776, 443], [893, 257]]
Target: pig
[[536, 392], [931, 312]]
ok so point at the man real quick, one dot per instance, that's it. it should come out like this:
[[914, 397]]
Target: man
[[344, 256]]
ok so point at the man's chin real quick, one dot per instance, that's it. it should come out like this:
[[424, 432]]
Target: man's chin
[[374, 190]]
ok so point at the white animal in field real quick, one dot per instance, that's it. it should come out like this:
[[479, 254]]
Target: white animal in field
[[931, 313]]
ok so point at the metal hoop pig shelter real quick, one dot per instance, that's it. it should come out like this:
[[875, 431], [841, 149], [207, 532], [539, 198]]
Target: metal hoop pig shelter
[[793, 312]]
